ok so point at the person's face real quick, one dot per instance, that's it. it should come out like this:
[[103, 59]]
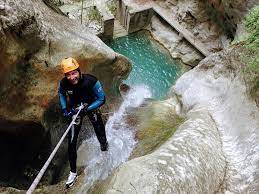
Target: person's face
[[73, 76]]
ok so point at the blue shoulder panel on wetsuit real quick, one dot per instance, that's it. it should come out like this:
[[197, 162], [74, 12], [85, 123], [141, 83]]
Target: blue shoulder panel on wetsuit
[[62, 97], [99, 93]]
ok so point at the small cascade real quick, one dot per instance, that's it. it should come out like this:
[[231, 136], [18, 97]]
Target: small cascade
[[120, 135]]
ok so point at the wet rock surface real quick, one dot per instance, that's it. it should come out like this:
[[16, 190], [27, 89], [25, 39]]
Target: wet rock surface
[[155, 123], [219, 83], [178, 165], [214, 150], [33, 40]]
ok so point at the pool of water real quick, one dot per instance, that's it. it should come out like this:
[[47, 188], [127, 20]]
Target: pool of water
[[152, 64]]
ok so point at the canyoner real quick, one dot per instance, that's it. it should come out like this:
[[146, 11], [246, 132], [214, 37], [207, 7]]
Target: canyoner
[[79, 95], [74, 90]]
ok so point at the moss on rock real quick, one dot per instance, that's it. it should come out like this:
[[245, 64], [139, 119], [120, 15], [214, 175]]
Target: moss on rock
[[250, 54], [158, 122]]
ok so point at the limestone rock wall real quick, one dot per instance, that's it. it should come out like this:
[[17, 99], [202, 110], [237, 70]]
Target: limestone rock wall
[[192, 15], [176, 45], [219, 84], [181, 164], [33, 41], [229, 14]]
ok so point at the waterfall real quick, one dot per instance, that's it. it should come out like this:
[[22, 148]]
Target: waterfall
[[120, 135]]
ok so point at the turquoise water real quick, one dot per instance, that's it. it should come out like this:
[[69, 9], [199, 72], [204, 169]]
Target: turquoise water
[[152, 64]]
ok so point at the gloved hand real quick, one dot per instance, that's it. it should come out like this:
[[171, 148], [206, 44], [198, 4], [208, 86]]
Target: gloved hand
[[69, 114], [85, 107], [84, 110]]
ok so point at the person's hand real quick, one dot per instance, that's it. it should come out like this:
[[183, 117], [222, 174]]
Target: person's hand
[[68, 114], [84, 109], [73, 111]]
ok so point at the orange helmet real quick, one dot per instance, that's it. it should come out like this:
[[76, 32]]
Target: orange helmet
[[69, 64]]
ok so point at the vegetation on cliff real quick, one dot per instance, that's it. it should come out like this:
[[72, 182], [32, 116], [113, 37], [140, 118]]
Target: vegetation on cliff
[[251, 45]]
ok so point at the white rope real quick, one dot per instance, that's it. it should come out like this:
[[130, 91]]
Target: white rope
[[43, 169]]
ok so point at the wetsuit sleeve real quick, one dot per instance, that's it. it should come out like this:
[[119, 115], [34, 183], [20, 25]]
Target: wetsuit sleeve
[[62, 97], [99, 93]]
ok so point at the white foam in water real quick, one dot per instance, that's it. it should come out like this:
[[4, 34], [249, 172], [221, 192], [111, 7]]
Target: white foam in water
[[120, 137]]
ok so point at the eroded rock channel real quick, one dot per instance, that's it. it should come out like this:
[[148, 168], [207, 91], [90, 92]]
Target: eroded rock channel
[[192, 130]]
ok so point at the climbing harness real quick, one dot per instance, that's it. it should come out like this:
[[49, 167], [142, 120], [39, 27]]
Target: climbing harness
[[44, 168]]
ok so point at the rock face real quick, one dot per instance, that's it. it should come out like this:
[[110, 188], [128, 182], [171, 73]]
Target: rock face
[[192, 15], [215, 149], [229, 14], [219, 84], [155, 124], [179, 165], [175, 44], [33, 40]]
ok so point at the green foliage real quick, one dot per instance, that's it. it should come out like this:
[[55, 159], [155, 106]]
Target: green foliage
[[251, 54], [112, 6], [252, 43], [94, 14]]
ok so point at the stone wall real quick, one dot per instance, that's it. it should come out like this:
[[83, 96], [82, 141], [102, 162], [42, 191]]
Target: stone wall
[[108, 28], [133, 20], [139, 20]]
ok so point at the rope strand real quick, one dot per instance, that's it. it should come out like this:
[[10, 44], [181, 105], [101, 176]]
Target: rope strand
[[45, 166]]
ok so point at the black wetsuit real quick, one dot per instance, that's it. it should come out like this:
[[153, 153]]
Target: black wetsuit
[[88, 90]]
